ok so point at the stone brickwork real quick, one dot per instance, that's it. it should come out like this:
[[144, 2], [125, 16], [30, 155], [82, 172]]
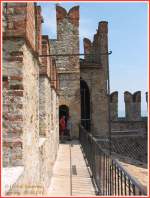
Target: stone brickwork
[[129, 126], [133, 121], [12, 102], [21, 22], [114, 105], [94, 73], [48, 124], [132, 105], [35, 86], [45, 90], [68, 66], [44, 106], [28, 137]]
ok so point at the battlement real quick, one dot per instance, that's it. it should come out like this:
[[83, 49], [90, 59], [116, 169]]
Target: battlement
[[102, 27], [95, 49], [39, 21], [135, 97], [23, 20], [114, 97], [114, 105], [46, 62], [72, 16], [132, 105], [54, 76]]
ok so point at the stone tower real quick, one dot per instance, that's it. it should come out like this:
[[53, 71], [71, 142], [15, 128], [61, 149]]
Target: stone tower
[[67, 42], [94, 68]]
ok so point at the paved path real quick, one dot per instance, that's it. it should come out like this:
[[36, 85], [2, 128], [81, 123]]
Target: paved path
[[70, 174]]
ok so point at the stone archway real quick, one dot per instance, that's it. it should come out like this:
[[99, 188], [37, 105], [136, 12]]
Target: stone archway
[[63, 111], [85, 105]]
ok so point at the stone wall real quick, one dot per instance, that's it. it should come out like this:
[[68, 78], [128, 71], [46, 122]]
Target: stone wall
[[114, 105], [68, 66], [48, 123], [31, 118], [94, 73], [129, 126], [45, 90], [29, 100], [133, 122], [13, 97], [132, 105], [44, 106], [21, 109]]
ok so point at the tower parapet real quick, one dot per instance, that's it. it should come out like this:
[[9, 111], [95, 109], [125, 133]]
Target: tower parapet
[[23, 20], [87, 49], [98, 49], [93, 70], [67, 42]]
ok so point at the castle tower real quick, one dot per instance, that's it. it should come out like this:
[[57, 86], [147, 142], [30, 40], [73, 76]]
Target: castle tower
[[68, 66], [94, 74]]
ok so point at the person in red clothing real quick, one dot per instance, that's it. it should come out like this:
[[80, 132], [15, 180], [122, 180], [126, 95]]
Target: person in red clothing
[[62, 125]]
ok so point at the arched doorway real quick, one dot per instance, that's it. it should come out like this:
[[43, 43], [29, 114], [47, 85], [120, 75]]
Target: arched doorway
[[64, 111], [85, 105]]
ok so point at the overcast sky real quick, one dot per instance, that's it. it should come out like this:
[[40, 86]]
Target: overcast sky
[[128, 41]]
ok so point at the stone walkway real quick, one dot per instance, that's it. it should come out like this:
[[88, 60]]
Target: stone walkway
[[71, 176]]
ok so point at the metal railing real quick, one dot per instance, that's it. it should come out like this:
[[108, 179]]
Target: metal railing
[[110, 177]]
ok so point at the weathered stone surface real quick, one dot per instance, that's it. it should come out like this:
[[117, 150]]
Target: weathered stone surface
[[94, 73], [114, 105], [34, 88], [132, 105], [99, 106], [27, 104], [68, 66], [125, 125], [44, 106]]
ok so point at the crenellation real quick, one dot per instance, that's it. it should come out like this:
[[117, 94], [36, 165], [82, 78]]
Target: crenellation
[[87, 49], [103, 27], [21, 23], [46, 62], [137, 97], [27, 97], [36, 87], [114, 105], [39, 21], [132, 105], [99, 47], [68, 43]]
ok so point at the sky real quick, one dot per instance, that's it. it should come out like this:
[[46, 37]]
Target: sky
[[128, 41]]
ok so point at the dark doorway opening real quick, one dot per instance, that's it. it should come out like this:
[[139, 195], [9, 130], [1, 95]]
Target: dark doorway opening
[[85, 105], [64, 111]]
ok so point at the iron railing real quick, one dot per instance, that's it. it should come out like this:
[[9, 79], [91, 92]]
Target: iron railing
[[109, 175]]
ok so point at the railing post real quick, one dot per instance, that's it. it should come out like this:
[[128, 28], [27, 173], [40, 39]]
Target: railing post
[[111, 178]]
